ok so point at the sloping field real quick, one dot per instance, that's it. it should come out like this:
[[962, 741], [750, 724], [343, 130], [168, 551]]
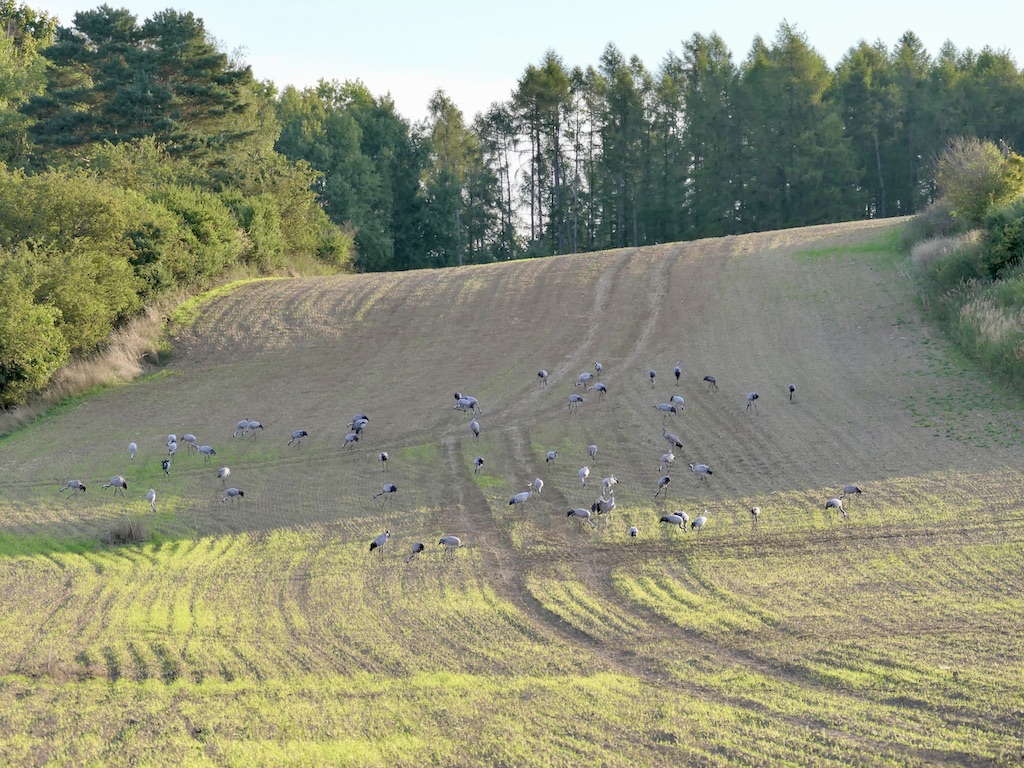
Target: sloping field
[[262, 630]]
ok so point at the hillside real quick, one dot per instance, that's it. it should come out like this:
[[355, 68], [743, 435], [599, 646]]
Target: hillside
[[884, 638]]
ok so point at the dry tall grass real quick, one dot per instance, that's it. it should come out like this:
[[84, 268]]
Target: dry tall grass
[[928, 252], [131, 349]]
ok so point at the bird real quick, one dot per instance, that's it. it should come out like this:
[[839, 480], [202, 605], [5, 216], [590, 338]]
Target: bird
[[382, 457], [233, 493], [583, 378], [666, 459], [166, 466], [74, 486], [380, 541], [172, 438], [712, 382], [451, 543], [700, 522], [253, 426], [132, 450], [678, 400], [662, 484], [792, 391], [240, 428], [603, 506], [652, 373], [416, 549], [538, 485], [598, 367], [574, 402], [386, 490], [551, 457], [467, 402], [117, 483], [151, 498], [678, 371], [600, 388], [666, 409], [474, 427], [848, 489], [523, 497], [350, 439], [581, 515], [836, 504], [207, 452], [676, 518], [358, 425], [543, 375], [592, 450], [190, 442], [755, 514], [632, 532], [297, 436], [223, 474], [477, 463], [608, 482], [703, 470], [584, 473], [752, 401], [673, 439], [172, 448]]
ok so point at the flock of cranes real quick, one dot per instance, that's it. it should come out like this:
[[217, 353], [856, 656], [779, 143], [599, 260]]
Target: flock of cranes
[[602, 506]]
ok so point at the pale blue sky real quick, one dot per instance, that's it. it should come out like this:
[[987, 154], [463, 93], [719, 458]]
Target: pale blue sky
[[475, 51]]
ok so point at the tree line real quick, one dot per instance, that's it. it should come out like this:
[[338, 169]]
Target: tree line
[[139, 159]]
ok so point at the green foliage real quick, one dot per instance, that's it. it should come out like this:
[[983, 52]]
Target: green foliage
[[209, 231], [1004, 237], [975, 175], [32, 346]]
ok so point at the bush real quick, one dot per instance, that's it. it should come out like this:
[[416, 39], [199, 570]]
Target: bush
[[975, 175], [208, 230], [1004, 237], [937, 220]]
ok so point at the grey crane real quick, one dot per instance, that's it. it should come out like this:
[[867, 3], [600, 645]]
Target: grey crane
[[703, 470], [172, 438], [632, 532], [712, 382], [755, 514], [165, 465], [132, 450], [234, 494], [253, 426], [600, 388], [207, 452], [416, 549], [836, 504], [592, 450], [662, 485], [542, 374], [752, 398], [118, 484], [522, 497], [380, 541], [74, 486], [477, 463], [700, 522], [666, 409], [382, 457], [550, 457], [598, 367], [792, 391], [603, 506], [850, 489], [223, 473], [583, 378], [386, 490], [651, 374], [538, 485], [584, 473], [350, 439], [678, 401], [678, 371], [474, 427], [673, 439], [574, 402], [359, 417], [151, 498], [666, 459], [608, 482], [676, 518], [297, 436], [467, 402], [580, 516], [240, 428], [190, 442], [172, 448], [450, 544]]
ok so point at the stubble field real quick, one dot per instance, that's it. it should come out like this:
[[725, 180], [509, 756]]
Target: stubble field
[[263, 631]]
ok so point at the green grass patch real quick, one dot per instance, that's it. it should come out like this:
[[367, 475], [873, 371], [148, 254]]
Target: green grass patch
[[886, 244], [187, 313]]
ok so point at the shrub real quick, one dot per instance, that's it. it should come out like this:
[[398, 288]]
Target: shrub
[[208, 229], [126, 531], [937, 220], [975, 175], [1004, 237]]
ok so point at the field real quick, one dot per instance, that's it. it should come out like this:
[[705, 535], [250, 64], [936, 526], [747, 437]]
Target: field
[[262, 630]]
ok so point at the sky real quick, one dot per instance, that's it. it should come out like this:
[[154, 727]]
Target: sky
[[476, 51]]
